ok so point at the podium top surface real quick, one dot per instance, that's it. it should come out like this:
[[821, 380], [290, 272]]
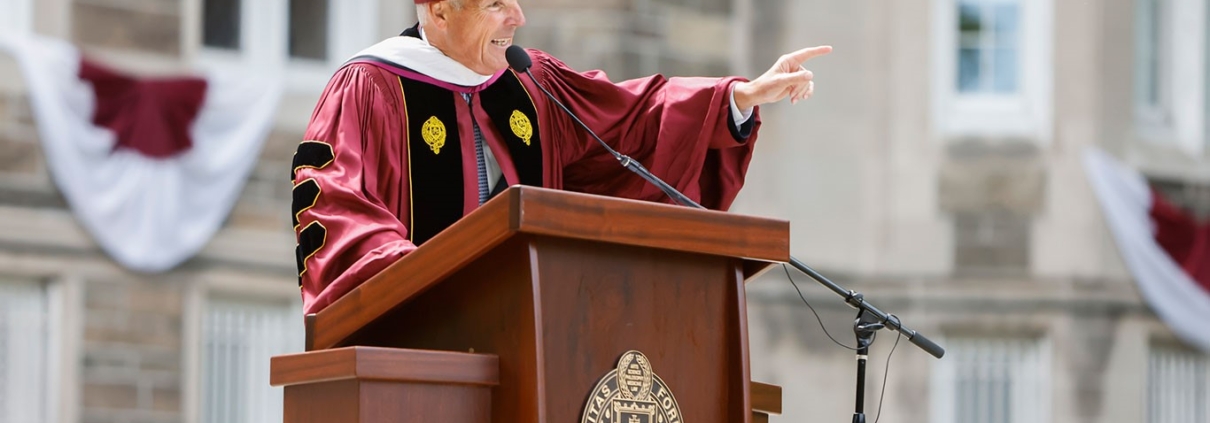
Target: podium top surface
[[545, 212]]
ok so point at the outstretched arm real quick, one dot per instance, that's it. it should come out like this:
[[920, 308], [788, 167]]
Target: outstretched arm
[[787, 78]]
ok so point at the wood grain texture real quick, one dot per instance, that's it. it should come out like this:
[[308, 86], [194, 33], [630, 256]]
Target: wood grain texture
[[529, 210], [599, 301], [766, 398], [737, 334], [385, 364], [336, 401], [361, 401], [487, 307], [378, 385], [393, 402], [655, 225]]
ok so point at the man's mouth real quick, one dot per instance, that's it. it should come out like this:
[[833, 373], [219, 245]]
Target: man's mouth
[[502, 42]]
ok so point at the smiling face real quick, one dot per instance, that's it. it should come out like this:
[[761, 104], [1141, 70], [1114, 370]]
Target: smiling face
[[475, 33]]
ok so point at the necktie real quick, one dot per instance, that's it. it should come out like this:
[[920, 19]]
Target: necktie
[[480, 161]]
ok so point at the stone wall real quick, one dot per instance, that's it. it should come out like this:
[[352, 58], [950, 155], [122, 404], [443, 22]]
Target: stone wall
[[634, 39], [149, 26], [132, 350]]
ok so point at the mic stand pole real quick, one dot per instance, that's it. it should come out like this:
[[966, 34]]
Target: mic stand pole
[[864, 327]]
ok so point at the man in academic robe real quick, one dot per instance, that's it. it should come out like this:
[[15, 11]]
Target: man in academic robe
[[421, 129]]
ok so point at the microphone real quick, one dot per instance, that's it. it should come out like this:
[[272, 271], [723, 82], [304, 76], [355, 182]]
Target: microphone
[[520, 61]]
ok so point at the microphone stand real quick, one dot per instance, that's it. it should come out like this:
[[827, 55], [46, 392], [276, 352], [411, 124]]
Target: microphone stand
[[869, 318], [864, 328], [852, 298]]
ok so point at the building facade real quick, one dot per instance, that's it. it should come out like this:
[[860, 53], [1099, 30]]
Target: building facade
[[937, 170]]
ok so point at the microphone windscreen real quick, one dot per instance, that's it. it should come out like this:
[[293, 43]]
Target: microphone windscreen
[[518, 59]]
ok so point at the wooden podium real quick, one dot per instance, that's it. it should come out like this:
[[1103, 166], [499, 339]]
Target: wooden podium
[[516, 312]]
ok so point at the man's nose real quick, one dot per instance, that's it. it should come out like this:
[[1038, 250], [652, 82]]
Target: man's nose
[[517, 17]]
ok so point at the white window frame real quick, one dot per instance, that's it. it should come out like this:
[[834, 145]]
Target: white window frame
[[199, 297], [264, 37], [23, 352], [1026, 114], [62, 301], [1179, 119], [1179, 368], [1032, 394], [16, 16], [251, 320]]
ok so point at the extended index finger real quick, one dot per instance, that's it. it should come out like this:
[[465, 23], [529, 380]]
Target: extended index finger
[[809, 53]]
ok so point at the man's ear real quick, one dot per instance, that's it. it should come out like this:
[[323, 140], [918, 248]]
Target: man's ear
[[439, 13]]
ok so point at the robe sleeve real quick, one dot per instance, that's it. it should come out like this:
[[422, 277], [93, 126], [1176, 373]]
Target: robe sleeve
[[680, 128], [358, 117]]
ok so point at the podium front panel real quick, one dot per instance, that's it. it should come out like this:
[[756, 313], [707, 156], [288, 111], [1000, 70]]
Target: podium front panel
[[683, 311], [559, 312]]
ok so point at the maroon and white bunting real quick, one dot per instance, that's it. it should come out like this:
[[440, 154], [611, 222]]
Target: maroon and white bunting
[[1164, 248], [150, 166]]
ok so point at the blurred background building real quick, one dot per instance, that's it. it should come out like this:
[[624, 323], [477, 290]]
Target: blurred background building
[[938, 170]]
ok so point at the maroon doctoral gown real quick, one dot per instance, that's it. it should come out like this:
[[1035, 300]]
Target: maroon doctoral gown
[[352, 199]]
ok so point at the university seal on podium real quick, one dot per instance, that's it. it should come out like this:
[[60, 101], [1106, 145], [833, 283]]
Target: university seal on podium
[[631, 393]]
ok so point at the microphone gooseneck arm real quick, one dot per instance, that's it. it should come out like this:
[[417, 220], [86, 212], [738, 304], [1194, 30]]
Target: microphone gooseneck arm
[[627, 162], [519, 60]]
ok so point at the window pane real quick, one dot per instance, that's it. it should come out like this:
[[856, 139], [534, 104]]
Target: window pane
[[994, 380], [968, 17], [23, 350], [1005, 71], [238, 339], [971, 39], [1149, 51], [1006, 18], [309, 29], [968, 70], [989, 40], [1176, 385], [221, 25]]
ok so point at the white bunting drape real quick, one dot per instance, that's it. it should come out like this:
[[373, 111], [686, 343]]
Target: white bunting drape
[[150, 214], [1126, 201]]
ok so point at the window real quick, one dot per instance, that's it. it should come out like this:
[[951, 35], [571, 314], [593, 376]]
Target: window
[[238, 338], [1152, 62], [1170, 66], [23, 352], [16, 16], [301, 40], [221, 24], [988, 38], [992, 68], [1177, 385], [991, 380], [309, 29]]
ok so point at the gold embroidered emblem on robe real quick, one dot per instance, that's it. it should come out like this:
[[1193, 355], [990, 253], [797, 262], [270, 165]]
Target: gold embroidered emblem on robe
[[433, 133], [521, 126]]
